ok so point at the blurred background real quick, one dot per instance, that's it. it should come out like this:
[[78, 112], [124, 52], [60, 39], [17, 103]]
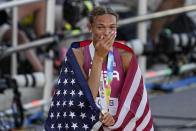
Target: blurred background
[[36, 34]]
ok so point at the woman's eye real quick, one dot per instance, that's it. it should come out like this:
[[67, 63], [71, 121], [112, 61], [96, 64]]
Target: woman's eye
[[100, 27]]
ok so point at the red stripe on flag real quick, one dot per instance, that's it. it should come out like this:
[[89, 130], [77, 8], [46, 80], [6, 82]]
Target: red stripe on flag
[[85, 43], [126, 120]]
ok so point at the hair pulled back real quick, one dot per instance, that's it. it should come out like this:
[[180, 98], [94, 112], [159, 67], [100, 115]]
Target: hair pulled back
[[100, 10]]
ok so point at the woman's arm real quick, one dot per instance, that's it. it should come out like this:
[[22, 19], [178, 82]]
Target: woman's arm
[[95, 74]]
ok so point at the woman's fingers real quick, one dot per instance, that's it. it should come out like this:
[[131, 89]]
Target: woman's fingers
[[107, 40], [107, 119], [103, 45], [110, 39]]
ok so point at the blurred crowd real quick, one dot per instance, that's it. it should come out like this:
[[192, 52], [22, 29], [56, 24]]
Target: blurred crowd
[[71, 17]]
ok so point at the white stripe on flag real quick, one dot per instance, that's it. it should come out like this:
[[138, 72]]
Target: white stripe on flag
[[142, 105], [139, 112], [128, 100], [152, 129], [144, 122]]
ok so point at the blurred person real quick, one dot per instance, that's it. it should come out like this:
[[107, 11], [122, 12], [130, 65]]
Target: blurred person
[[30, 54], [158, 25], [6, 35], [100, 75], [177, 23], [38, 9]]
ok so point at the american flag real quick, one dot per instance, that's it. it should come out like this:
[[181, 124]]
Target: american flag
[[73, 107]]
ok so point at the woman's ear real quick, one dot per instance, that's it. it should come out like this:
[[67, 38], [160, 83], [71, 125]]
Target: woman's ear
[[89, 27]]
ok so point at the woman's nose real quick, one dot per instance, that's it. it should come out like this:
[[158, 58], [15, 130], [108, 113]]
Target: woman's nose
[[107, 31]]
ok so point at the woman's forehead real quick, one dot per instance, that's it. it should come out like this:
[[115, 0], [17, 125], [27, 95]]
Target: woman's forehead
[[105, 19]]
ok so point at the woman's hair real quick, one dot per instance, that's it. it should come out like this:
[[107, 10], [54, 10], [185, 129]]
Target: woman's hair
[[101, 10]]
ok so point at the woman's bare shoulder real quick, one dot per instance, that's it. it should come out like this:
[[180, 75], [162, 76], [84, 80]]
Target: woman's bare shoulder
[[124, 52], [126, 57], [78, 52]]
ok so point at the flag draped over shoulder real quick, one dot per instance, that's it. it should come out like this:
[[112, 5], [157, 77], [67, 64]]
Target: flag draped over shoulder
[[133, 113], [73, 107]]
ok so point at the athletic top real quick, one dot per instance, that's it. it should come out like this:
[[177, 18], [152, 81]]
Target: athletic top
[[118, 76]]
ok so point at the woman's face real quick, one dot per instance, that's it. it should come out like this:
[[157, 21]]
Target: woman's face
[[102, 25]]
